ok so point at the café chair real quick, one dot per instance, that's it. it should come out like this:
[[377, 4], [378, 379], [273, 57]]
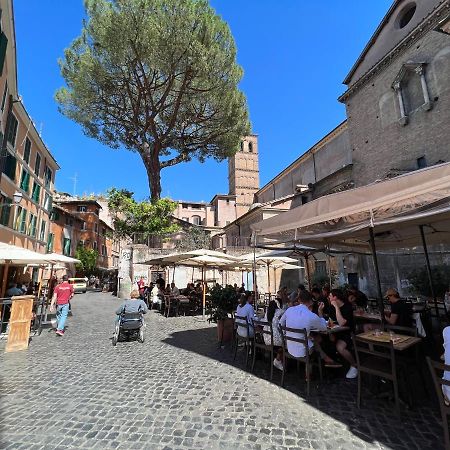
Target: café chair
[[301, 337], [241, 323], [377, 359], [261, 328], [438, 383], [170, 306]]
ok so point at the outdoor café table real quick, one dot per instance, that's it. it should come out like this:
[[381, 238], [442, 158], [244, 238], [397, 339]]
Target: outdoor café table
[[401, 342]]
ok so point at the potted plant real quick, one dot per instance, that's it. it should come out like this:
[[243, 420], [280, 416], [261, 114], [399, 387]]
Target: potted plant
[[224, 301]]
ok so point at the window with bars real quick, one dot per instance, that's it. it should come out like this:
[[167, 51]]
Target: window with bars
[[27, 151]]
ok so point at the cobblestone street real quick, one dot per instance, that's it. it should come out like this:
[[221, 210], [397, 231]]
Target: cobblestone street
[[179, 390]]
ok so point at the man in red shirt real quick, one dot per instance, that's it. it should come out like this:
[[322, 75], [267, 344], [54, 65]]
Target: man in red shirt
[[61, 298]]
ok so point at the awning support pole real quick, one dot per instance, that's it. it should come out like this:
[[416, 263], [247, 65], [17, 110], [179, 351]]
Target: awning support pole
[[268, 277], [377, 273], [255, 289], [306, 256], [430, 279]]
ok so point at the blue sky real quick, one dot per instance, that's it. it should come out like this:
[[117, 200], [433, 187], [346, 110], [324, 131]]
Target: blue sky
[[295, 54]]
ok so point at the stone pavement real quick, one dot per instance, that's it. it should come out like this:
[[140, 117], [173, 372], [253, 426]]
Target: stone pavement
[[179, 390]]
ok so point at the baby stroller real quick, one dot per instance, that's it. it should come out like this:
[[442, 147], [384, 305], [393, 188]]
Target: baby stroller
[[129, 326]]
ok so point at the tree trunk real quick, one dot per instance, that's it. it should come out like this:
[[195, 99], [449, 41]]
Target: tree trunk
[[153, 168]]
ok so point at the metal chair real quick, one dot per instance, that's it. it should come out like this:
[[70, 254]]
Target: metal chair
[[261, 328], [378, 359], [438, 383], [307, 359], [241, 322]]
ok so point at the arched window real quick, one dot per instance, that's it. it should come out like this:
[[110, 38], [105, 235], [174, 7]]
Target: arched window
[[196, 220], [242, 146], [250, 147]]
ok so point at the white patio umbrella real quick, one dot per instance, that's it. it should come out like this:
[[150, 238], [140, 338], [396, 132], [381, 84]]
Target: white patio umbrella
[[204, 261], [270, 259], [56, 257]]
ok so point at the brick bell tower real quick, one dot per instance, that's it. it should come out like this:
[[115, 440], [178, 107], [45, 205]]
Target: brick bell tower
[[243, 174]]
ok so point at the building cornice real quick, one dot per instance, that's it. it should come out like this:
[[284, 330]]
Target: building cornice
[[429, 24]]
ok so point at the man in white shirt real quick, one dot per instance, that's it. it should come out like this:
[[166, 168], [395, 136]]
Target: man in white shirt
[[301, 317], [245, 309], [174, 290]]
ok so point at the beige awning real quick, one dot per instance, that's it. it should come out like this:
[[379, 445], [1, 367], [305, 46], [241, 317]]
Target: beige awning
[[395, 208], [21, 256]]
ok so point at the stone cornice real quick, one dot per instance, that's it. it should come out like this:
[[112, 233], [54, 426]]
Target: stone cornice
[[426, 26]]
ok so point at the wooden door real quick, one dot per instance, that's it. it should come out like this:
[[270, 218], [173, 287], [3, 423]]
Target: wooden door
[[20, 323]]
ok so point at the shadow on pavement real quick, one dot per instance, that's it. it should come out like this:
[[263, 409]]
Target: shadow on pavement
[[335, 396]]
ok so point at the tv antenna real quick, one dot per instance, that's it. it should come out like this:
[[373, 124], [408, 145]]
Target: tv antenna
[[74, 179]]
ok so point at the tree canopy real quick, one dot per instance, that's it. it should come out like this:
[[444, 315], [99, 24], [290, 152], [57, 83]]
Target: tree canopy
[[194, 238], [143, 218], [158, 77], [88, 260]]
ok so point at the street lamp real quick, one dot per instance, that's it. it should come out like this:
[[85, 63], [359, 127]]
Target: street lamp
[[17, 197]]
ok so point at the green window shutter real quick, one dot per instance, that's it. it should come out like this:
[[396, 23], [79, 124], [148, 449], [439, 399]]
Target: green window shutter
[[42, 235], [50, 242], [23, 221], [3, 47], [33, 226], [6, 212], [66, 249], [12, 130], [26, 153], [25, 181], [36, 192]]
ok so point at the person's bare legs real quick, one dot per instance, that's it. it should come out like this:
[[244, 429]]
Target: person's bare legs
[[341, 347], [317, 338]]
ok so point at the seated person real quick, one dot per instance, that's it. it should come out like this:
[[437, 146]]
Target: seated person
[[343, 314], [357, 298], [273, 315], [13, 290], [301, 317], [245, 309], [401, 312], [174, 290], [133, 305], [446, 376]]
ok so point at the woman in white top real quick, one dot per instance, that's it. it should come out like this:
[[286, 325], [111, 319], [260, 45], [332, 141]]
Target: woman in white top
[[273, 315]]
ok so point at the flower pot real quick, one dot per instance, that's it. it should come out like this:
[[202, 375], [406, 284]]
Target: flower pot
[[225, 330]]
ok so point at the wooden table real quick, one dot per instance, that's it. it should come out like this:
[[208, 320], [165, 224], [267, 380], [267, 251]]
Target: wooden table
[[401, 341]]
